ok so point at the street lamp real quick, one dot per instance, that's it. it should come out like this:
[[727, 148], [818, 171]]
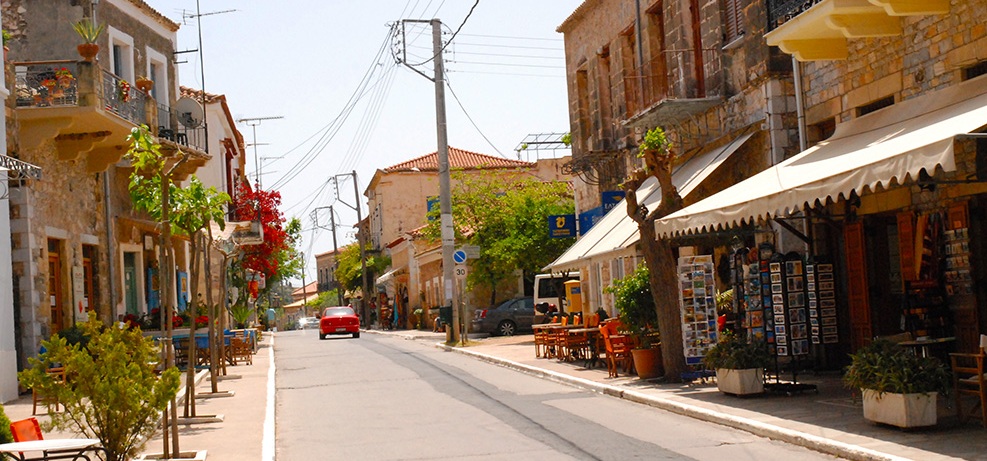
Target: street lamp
[[252, 123]]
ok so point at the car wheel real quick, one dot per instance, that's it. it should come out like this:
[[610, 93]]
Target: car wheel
[[356, 335], [506, 328], [322, 336]]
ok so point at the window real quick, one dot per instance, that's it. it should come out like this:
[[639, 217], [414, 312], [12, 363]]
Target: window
[[822, 130], [157, 71], [875, 106], [582, 92], [733, 12], [122, 54], [975, 70]]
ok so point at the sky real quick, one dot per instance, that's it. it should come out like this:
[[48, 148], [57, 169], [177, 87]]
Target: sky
[[328, 68]]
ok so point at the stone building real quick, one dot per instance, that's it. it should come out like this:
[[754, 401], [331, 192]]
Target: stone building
[[891, 190], [78, 245], [698, 70]]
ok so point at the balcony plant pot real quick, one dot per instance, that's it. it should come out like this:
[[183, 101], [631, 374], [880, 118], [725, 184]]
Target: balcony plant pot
[[144, 84], [748, 381], [901, 410], [647, 362], [88, 51]]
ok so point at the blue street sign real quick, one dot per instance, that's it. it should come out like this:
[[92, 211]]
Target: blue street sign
[[588, 218], [459, 256], [562, 226], [610, 199]]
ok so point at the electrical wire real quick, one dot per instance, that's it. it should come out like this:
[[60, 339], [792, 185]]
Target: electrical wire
[[453, 37], [470, 118]]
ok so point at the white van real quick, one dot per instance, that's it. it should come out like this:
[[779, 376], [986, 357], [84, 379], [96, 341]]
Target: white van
[[549, 288]]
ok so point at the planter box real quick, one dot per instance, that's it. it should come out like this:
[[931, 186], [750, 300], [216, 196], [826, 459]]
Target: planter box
[[740, 382], [199, 455], [902, 410]]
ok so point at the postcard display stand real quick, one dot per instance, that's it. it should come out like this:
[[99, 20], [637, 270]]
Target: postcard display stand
[[790, 318], [697, 306]]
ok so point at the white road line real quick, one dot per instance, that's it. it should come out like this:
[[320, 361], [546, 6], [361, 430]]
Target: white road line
[[268, 449]]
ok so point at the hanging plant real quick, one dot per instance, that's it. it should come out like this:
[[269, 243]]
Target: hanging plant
[[123, 90]]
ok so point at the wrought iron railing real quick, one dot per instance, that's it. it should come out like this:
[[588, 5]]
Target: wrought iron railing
[[781, 11], [46, 84], [670, 76], [119, 97], [169, 128]]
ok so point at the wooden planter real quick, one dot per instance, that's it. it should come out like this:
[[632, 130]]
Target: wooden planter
[[902, 410], [740, 382]]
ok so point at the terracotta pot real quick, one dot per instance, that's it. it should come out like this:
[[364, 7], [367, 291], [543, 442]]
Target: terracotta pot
[[647, 363], [88, 51], [144, 84]]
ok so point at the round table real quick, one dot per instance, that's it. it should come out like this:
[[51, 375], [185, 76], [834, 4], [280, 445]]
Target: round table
[[50, 449]]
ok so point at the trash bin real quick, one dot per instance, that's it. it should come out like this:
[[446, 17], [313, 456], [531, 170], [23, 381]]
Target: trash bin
[[445, 315]]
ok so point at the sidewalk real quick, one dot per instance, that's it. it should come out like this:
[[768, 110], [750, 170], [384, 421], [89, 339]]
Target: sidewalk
[[829, 421]]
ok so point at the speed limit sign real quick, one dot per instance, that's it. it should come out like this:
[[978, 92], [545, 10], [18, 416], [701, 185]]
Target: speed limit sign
[[460, 271]]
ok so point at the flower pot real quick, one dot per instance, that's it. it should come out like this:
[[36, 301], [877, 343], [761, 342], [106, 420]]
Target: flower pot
[[740, 382], [902, 410], [647, 363], [88, 51], [144, 84]]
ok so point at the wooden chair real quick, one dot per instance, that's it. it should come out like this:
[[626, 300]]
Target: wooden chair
[[576, 345], [26, 430], [241, 350], [617, 346], [58, 373], [541, 342], [969, 380]]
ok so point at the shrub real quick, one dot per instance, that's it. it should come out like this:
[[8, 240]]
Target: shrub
[[111, 392], [632, 298], [884, 366], [735, 352], [5, 435]]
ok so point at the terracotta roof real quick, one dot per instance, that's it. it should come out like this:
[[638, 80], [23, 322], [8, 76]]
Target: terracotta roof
[[197, 94], [459, 159], [172, 25]]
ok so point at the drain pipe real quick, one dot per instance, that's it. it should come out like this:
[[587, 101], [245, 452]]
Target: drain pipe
[[799, 104], [110, 260]]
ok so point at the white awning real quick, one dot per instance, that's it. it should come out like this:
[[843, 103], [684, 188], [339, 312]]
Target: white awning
[[617, 231], [388, 276], [894, 143]]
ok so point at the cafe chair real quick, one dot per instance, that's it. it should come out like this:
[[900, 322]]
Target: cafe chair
[[617, 346], [969, 381], [37, 397], [241, 350], [26, 430]]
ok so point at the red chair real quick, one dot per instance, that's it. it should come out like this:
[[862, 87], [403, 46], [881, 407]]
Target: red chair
[[618, 347], [26, 430]]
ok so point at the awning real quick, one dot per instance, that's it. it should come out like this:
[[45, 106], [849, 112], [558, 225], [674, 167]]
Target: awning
[[891, 144], [388, 276], [617, 231]]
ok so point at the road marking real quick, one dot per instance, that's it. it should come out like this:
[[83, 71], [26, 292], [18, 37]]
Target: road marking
[[268, 447]]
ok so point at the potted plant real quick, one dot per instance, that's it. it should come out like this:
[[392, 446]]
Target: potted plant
[[633, 300], [144, 84], [739, 364], [6, 38], [89, 32], [899, 388]]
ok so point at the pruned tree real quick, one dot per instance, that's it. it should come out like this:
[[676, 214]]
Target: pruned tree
[[658, 254]]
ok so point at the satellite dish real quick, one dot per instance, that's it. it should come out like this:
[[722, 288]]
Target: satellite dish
[[189, 112]]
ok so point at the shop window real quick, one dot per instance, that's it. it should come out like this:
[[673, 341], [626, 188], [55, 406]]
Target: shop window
[[975, 70], [90, 285], [582, 92], [875, 106]]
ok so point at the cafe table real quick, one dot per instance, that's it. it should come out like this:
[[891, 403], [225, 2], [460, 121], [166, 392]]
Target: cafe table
[[543, 338], [592, 336], [51, 449]]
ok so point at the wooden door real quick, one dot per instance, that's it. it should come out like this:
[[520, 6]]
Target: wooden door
[[55, 287], [861, 331]]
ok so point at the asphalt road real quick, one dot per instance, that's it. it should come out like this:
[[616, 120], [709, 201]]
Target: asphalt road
[[383, 398]]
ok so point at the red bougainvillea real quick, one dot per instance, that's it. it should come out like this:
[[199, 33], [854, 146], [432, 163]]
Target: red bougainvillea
[[247, 204]]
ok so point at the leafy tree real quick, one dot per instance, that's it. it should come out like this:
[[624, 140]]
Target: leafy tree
[[5, 435], [508, 220], [114, 394], [658, 159], [348, 272]]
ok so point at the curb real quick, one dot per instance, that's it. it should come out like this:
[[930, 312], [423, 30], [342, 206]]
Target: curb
[[812, 442]]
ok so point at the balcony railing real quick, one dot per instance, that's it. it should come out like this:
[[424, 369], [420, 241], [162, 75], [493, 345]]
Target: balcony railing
[[169, 128], [122, 99], [670, 76], [781, 11], [46, 84]]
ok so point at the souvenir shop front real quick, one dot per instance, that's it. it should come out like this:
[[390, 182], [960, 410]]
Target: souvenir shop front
[[873, 232]]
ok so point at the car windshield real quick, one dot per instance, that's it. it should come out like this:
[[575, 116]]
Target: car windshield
[[335, 311]]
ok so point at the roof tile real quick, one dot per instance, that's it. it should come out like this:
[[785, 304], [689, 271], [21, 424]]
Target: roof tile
[[458, 159]]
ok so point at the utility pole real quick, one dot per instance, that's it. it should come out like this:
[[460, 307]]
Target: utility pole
[[445, 196], [363, 251], [252, 123], [335, 247]]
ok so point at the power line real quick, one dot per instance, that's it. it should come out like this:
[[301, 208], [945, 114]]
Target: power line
[[477, 63], [513, 74], [514, 37], [441, 50], [468, 117], [511, 46]]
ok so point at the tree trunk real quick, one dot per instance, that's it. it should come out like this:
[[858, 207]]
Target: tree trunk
[[661, 263], [193, 310]]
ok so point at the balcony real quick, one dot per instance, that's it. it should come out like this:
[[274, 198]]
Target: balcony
[[85, 111], [671, 88], [817, 30]]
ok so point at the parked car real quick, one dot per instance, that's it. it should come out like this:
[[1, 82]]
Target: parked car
[[507, 319], [339, 320], [307, 322]]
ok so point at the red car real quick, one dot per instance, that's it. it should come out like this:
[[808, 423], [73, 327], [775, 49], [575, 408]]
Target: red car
[[339, 320]]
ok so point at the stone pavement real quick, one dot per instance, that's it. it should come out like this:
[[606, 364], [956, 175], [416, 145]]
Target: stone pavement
[[830, 421]]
